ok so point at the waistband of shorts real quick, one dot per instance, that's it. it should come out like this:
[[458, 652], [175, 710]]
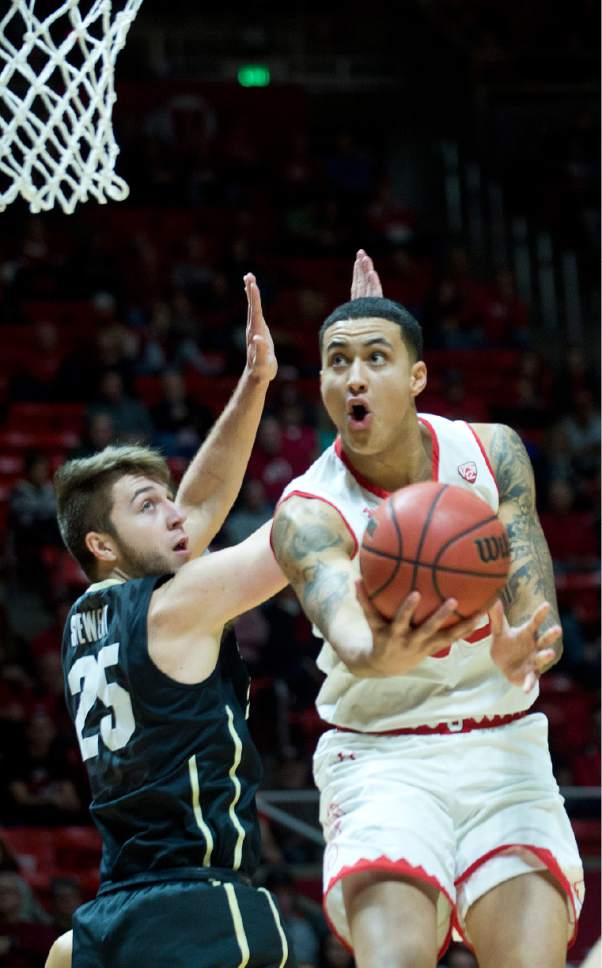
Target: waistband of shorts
[[172, 874], [443, 729]]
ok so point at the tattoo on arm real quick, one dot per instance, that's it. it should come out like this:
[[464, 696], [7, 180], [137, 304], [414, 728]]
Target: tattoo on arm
[[325, 589], [531, 578], [299, 538]]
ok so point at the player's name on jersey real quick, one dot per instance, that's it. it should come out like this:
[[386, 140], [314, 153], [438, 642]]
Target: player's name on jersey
[[89, 626]]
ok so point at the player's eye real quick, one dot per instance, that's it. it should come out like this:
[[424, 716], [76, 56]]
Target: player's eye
[[377, 356], [338, 359], [146, 505]]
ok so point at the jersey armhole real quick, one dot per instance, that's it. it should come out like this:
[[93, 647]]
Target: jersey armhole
[[317, 497]]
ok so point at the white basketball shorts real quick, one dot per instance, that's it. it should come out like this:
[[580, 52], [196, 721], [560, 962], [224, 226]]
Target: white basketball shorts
[[463, 812]]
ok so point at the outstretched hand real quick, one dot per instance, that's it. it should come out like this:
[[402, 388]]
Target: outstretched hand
[[261, 358], [522, 653], [398, 645], [365, 280]]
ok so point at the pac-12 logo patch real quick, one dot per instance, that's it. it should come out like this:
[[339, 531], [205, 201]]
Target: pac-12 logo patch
[[468, 471]]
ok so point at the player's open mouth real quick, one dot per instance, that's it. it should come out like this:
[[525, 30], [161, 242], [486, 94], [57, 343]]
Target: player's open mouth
[[358, 415], [182, 546]]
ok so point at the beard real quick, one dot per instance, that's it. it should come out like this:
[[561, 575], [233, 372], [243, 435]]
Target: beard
[[139, 564]]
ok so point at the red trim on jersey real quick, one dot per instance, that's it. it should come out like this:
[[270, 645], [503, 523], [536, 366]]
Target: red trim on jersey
[[400, 868], [550, 863], [361, 480], [435, 447], [442, 729], [380, 491], [477, 636], [317, 497], [483, 451]]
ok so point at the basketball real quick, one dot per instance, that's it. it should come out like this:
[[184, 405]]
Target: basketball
[[440, 540]]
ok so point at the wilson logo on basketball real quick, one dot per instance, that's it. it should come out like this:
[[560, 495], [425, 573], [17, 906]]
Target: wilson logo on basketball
[[371, 526], [468, 471], [492, 549]]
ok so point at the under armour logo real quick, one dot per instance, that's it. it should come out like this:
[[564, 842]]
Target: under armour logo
[[468, 471]]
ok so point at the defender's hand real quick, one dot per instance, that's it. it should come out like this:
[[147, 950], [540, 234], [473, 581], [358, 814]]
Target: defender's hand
[[261, 358], [522, 653], [365, 280], [398, 646]]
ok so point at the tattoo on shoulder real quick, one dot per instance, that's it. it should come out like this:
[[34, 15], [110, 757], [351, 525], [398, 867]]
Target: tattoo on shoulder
[[531, 578], [299, 536], [295, 539], [512, 467]]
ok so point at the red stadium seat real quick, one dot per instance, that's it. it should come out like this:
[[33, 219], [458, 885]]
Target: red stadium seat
[[32, 847], [62, 570], [34, 418], [148, 389], [77, 848], [15, 441]]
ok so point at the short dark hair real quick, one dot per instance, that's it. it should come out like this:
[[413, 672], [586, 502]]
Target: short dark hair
[[83, 489], [369, 307]]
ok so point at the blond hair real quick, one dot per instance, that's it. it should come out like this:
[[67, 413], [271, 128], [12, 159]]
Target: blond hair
[[84, 498]]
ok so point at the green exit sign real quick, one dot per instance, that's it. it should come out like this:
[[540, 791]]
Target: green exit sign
[[253, 75]]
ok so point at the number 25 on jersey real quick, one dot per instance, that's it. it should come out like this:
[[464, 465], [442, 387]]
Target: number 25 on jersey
[[87, 676]]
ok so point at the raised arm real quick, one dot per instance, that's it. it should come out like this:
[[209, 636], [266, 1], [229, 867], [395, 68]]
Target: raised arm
[[212, 481], [529, 599], [188, 612], [315, 549]]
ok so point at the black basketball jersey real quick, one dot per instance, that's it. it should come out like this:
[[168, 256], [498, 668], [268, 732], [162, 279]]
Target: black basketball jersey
[[172, 767]]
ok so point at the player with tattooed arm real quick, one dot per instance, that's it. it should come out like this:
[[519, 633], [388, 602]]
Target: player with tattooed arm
[[438, 802]]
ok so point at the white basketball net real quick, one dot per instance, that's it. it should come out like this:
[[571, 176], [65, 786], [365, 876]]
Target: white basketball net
[[57, 93]]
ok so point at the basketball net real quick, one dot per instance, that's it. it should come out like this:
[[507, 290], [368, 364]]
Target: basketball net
[[57, 91]]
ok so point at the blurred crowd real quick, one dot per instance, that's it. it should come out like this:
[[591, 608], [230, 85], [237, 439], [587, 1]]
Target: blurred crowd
[[127, 324]]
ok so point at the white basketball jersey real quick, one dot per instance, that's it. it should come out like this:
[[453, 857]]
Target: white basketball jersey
[[462, 684]]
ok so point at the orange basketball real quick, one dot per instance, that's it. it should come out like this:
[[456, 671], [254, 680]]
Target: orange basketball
[[438, 539]]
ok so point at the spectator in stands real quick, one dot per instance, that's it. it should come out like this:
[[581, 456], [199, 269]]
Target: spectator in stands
[[577, 373], [180, 422], [130, 419], [40, 784], [36, 379], [49, 689], [505, 316], [193, 274], [570, 533], [556, 455], [163, 347], [458, 403], [25, 935], [17, 700], [65, 898], [582, 428], [31, 523], [452, 317], [251, 511], [304, 936], [586, 763], [268, 463], [99, 432]]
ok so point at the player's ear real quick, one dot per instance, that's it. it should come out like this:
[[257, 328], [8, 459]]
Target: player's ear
[[101, 545], [418, 378]]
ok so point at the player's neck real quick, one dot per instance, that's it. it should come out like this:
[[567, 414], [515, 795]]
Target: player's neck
[[407, 461]]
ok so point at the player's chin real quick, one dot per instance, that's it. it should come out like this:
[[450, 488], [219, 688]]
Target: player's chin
[[362, 440], [179, 558]]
